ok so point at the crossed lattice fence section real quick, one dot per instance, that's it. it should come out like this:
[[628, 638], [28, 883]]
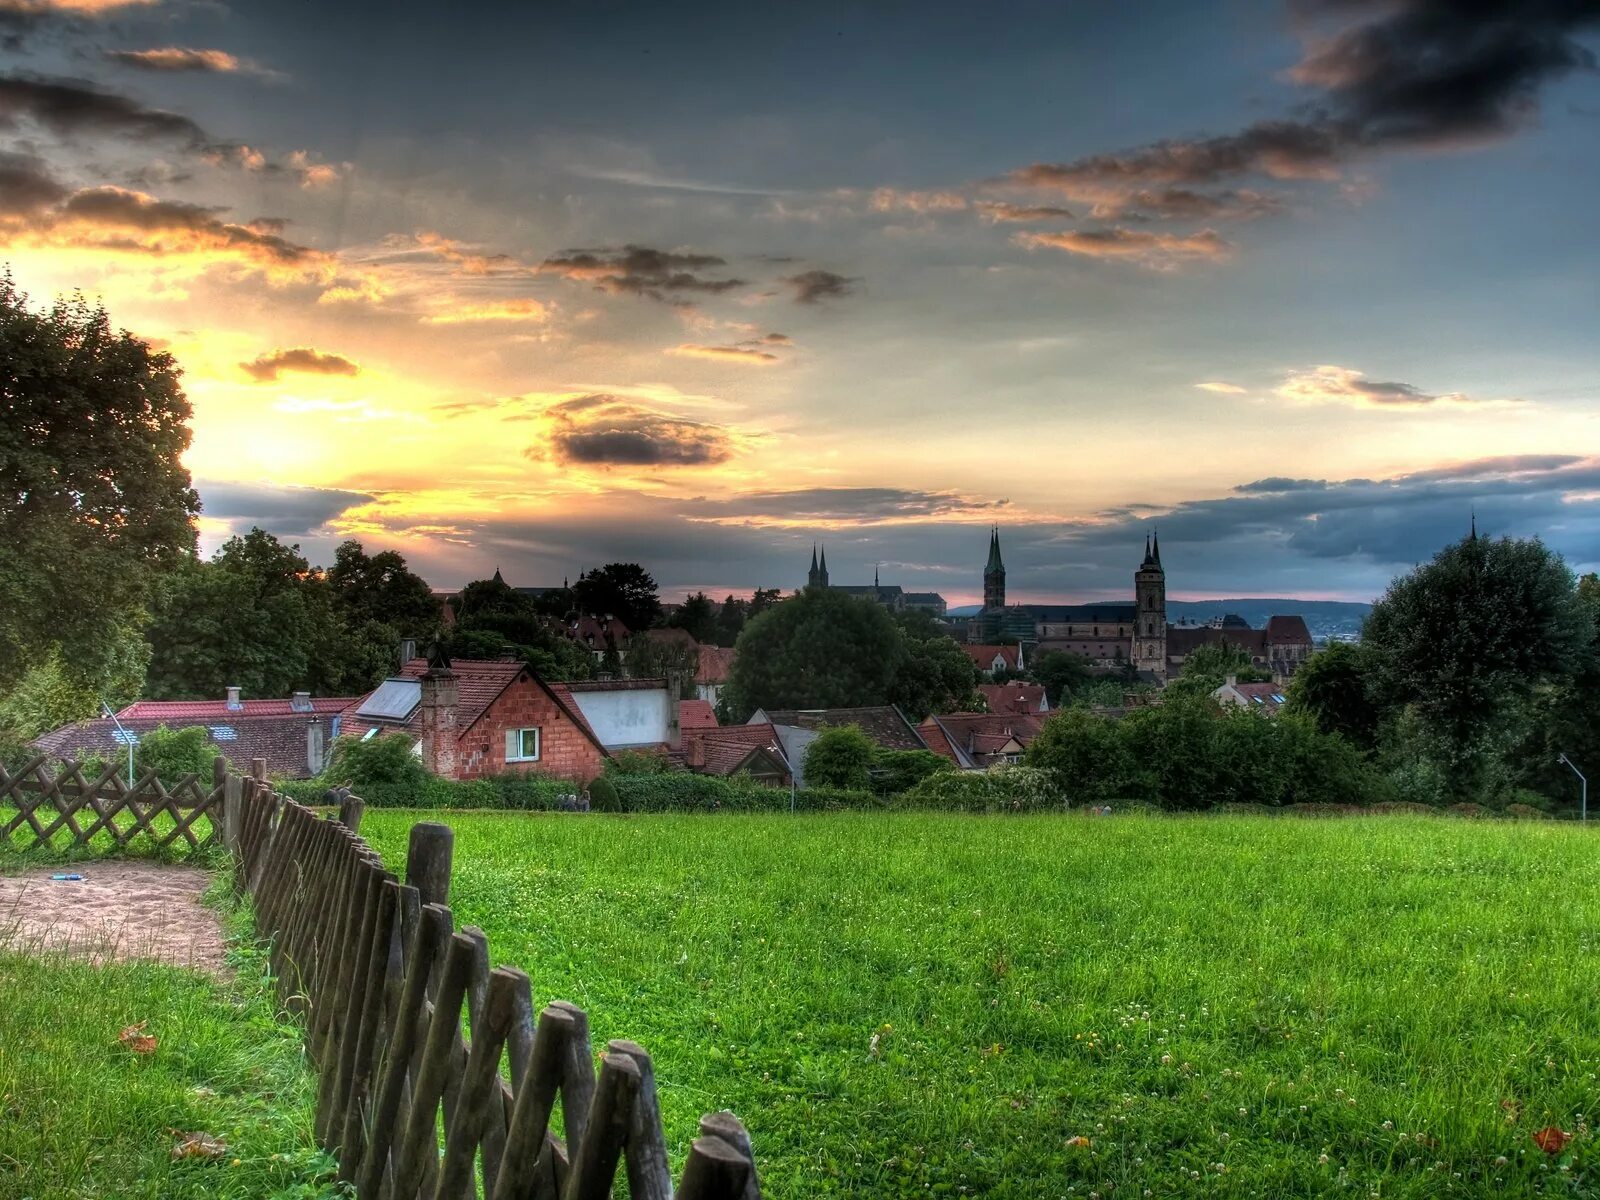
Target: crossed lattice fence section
[[54, 805], [389, 990]]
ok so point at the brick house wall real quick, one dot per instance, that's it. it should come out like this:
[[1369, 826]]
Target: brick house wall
[[565, 751]]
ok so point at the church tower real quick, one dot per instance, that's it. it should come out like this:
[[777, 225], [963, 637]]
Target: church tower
[[1150, 617], [994, 573], [818, 575]]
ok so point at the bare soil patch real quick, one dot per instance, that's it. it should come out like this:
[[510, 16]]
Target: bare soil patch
[[117, 911]]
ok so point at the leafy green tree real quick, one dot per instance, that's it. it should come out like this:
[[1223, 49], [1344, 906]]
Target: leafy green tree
[[1062, 675], [662, 658], [174, 753], [698, 617], [896, 771], [1208, 667], [1330, 688], [1466, 642], [381, 589], [49, 695], [1084, 753], [817, 649], [622, 590], [493, 620], [95, 503], [384, 759], [840, 756]]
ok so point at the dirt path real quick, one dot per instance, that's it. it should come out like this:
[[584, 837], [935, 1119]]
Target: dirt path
[[119, 910]]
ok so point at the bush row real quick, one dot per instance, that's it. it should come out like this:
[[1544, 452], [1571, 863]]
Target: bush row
[[530, 793]]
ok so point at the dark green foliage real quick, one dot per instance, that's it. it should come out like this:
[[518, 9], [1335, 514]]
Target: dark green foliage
[[622, 590], [698, 617], [662, 658], [1208, 667], [842, 757], [603, 796], [1188, 754], [95, 504], [381, 589], [521, 793], [679, 791], [385, 759], [818, 649], [174, 753], [495, 621], [936, 675], [636, 762], [1063, 676], [895, 771], [1331, 688], [1001, 790], [1465, 644]]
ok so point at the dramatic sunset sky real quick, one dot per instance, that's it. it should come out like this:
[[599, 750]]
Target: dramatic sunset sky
[[542, 286]]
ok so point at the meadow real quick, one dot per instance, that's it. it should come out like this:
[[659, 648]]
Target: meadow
[[931, 1004]]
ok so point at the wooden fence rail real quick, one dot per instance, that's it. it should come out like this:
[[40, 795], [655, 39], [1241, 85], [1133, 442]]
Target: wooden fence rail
[[389, 991], [59, 808]]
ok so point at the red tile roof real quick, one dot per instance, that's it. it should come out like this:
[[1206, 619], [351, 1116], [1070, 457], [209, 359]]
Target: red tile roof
[[696, 714], [715, 664], [1268, 697], [203, 710], [280, 739], [980, 734], [478, 683], [1013, 697], [723, 750], [885, 724], [1288, 629], [984, 656]]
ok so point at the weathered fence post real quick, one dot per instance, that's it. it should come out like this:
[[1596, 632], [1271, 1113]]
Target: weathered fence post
[[428, 861], [350, 810]]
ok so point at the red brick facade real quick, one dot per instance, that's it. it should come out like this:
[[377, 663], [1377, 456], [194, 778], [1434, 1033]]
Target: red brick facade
[[565, 749]]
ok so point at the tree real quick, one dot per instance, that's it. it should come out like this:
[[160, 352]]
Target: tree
[[95, 503], [1207, 668], [1084, 753], [50, 695], [1466, 642], [649, 657], [174, 753], [730, 620], [381, 589], [817, 649], [622, 590], [697, 616], [840, 756], [1062, 675], [935, 676], [1331, 689], [494, 620]]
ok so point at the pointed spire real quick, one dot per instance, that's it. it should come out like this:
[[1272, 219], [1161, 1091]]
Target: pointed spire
[[875, 576], [995, 563], [824, 558], [497, 577], [1155, 545], [813, 558], [1473, 536]]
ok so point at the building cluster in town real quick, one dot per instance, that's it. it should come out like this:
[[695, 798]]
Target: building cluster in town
[[475, 718]]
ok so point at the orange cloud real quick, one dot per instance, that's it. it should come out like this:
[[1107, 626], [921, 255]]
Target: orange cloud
[[887, 199], [1000, 210], [526, 309], [1328, 384], [89, 8], [266, 367], [1223, 389], [604, 431], [180, 58], [1158, 251], [735, 354]]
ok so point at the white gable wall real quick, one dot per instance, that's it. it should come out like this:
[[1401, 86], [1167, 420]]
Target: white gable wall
[[634, 717]]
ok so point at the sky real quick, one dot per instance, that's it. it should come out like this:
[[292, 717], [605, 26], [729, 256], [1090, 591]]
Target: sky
[[1300, 283]]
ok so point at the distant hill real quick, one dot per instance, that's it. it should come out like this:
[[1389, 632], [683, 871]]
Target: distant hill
[[1325, 618]]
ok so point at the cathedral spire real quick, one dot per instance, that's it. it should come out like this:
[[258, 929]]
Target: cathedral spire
[[1473, 536], [1155, 545]]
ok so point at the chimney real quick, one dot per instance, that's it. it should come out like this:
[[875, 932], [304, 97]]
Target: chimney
[[674, 709], [1230, 681], [408, 651], [315, 747], [234, 703], [300, 702], [696, 748], [436, 720]]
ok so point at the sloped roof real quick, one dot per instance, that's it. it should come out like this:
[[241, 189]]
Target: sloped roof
[[984, 733], [196, 711], [280, 739], [1268, 697], [1013, 697], [1183, 640], [984, 656], [885, 724], [934, 735], [715, 664], [1288, 629], [727, 748], [696, 714], [479, 681]]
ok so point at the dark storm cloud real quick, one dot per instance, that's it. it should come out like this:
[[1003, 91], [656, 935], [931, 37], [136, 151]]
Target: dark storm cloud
[[286, 511], [642, 271], [1408, 73], [812, 287], [266, 367], [600, 430], [74, 107], [1176, 203], [26, 185]]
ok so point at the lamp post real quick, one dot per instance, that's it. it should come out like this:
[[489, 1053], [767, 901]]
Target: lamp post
[[127, 738], [1583, 782]]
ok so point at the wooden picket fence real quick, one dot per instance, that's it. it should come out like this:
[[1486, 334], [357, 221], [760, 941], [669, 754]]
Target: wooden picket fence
[[57, 808], [388, 990]]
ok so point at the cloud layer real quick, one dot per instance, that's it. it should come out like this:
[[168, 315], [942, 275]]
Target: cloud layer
[[267, 367]]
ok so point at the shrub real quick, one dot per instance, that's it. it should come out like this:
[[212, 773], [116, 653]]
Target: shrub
[[1002, 789], [841, 756], [679, 791], [603, 796], [174, 753], [529, 793], [384, 759], [895, 771], [637, 762]]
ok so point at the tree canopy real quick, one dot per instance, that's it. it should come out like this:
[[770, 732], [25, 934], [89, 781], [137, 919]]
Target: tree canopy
[[622, 590], [817, 649]]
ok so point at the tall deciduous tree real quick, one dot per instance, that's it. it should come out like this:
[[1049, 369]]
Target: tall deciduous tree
[[818, 649], [381, 588], [698, 616], [94, 502], [622, 590], [1463, 644], [494, 620], [1063, 676], [1331, 689]]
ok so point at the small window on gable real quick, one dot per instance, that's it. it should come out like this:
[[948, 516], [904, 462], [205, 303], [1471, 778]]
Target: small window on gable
[[522, 745]]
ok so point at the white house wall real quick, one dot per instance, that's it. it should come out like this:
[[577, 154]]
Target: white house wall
[[635, 717]]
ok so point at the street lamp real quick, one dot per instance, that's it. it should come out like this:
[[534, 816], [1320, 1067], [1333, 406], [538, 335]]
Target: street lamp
[[1583, 809]]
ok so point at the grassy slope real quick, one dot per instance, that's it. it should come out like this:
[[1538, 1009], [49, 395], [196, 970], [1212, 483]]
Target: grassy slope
[[1216, 1003], [81, 1116]]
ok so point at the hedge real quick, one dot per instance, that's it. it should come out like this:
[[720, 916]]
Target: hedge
[[1000, 789], [677, 791], [528, 793]]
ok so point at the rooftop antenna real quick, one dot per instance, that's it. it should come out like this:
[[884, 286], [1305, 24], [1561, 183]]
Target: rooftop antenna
[[129, 739]]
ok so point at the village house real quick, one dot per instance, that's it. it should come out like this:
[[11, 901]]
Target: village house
[[1265, 698], [992, 660], [1014, 697], [474, 717], [294, 744]]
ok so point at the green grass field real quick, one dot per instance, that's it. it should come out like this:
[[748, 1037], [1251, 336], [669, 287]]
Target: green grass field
[[83, 1116], [944, 1005]]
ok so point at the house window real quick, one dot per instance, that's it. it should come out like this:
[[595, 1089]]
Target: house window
[[522, 745]]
